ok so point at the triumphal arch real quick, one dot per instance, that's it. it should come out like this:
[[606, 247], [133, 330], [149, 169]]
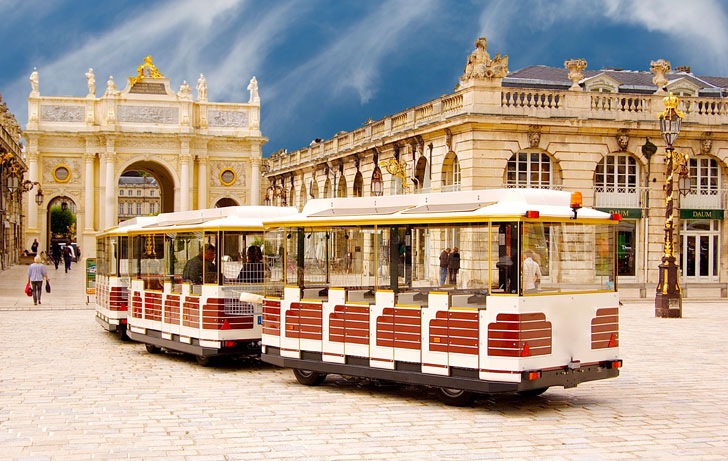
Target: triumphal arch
[[202, 154]]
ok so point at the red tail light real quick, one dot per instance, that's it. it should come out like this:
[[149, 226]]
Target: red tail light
[[123, 321], [616, 217], [228, 344], [532, 214], [533, 375], [614, 364]]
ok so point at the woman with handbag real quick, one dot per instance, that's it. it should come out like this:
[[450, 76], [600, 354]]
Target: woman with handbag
[[36, 273]]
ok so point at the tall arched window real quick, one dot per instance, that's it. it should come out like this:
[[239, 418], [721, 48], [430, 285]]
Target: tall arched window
[[341, 190], [529, 169], [303, 197], [358, 185], [314, 189], [376, 187], [451, 173], [617, 173], [420, 170], [327, 188], [291, 196]]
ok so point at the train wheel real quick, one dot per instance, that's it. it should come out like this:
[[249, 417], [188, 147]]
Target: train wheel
[[532, 392], [455, 397], [203, 360], [308, 377], [152, 349]]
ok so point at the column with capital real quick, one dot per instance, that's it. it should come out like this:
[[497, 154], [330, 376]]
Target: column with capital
[[88, 192], [110, 189], [202, 181], [32, 157], [255, 181], [184, 175]]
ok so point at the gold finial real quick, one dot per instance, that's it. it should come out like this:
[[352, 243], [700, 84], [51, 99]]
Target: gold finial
[[398, 169], [146, 70], [149, 246], [671, 102]]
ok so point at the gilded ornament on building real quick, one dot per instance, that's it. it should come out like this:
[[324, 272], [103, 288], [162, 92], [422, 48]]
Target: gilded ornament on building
[[397, 169], [227, 177], [61, 173], [146, 70], [481, 66]]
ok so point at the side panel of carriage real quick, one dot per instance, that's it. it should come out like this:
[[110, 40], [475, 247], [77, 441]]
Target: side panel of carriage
[[111, 302], [512, 343], [215, 322]]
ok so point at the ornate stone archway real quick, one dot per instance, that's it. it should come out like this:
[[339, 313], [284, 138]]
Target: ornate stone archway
[[80, 146]]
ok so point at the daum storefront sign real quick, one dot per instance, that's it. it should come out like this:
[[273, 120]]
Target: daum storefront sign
[[701, 214], [627, 213]]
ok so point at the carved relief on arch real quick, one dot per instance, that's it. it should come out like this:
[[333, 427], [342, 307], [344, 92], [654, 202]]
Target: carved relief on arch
[[216, 167], [49, 165], [706, 144], [622, 140], [534, 137]]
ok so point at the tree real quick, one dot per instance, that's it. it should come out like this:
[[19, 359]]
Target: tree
[[61, 220]]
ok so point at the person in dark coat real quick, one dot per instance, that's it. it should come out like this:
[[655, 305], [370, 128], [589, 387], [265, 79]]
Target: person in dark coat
[[67, 257], [444, 261], [56, 253], [453, 266]]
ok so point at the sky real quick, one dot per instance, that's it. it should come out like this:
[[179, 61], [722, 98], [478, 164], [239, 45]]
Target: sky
[[325, 66]]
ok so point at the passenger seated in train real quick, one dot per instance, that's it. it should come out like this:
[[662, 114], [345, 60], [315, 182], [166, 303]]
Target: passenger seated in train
[[252, 270], [193, 269]]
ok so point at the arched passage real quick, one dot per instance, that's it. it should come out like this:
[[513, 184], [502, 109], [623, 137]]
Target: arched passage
[[160, 190], [225, 202], [61, 225]]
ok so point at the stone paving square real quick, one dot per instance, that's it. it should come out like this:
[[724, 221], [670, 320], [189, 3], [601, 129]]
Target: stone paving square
[[69, 390]]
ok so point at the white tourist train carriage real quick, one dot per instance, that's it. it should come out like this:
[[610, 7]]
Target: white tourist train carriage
[[355, 289], [175, 306], [112, 274]]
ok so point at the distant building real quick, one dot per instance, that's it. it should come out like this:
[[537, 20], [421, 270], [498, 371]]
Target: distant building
[[570, 129], [138, 196]]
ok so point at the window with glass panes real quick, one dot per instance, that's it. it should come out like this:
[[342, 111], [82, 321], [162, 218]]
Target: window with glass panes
[[139, 208], [617, 173], [704, 175], [529, 169], [128, 208]]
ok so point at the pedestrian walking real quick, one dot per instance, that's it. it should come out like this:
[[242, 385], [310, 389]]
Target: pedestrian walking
[[34, 247], [56, 253], [444, 261], [67, 257], [453, 266], [36, 273]]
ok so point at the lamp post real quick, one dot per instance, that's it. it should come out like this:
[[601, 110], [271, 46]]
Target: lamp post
[[668, 299], [15, 186]]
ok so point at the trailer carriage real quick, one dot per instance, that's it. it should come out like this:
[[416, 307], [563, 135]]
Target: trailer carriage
[[355, 288]]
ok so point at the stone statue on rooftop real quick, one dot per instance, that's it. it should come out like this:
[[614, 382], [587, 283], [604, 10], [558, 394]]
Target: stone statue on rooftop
[[110, 87], [575, 66], [185, 91], [34, 83], [202, 88], [253, 88], [91, 79], [660, 68], [481, 66]]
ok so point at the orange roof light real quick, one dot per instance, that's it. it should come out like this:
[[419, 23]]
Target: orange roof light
[[576, 200], [532, 214]]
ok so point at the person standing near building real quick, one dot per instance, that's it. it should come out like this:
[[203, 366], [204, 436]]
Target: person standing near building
[[36, 273], [453, 266], [67, 256], [444, 262], [56, 253], [34, 247], [531, 272]]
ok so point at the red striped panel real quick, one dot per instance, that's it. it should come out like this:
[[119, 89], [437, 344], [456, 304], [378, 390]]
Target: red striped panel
[[519, 335], [455, 332], [191, 312], [349, 324], [117, 298], [400, 327], [214, 317], [303, 320], [605, 328], [153, 306], [136, 305], [272, 317], [171, 309]]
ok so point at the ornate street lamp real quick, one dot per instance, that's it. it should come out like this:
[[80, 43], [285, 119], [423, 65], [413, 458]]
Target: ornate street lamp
[[668, 299], [15, 186]]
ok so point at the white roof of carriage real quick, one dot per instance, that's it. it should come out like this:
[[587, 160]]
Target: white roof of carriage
[[491, 203], [236, 217]]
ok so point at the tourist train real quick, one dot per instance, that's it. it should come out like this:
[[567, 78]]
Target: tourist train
[[356, 287], [175, 280], [371, 287]]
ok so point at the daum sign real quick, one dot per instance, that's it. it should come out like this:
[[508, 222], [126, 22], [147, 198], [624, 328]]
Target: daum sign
[[701, 214], [627, 213]]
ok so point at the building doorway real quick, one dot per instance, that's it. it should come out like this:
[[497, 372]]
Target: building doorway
[[699, 240], [225, 202], [61, 223]]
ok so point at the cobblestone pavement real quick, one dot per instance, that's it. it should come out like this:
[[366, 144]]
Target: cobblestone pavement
[[69, 390]]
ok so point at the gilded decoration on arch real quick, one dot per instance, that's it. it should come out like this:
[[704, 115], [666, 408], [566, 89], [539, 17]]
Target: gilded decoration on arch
[[398, 169], [146, 70]]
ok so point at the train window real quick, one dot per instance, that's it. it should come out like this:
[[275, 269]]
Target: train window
[[110, 263], [316, 258], [273, 258], [346, 265], [242, 259], [294, 247], [382, 242], [211, 266], [567, 257], [100, 252], [183, 247], [504, 258], [124, 256]]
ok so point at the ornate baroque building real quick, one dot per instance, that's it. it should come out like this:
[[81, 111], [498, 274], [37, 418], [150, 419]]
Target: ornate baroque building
[[12, 168], [201, 153], [594, 131]]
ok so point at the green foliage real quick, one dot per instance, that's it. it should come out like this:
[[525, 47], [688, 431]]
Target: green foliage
[[61, 220]]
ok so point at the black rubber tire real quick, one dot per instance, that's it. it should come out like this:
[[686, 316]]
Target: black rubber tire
[[152, 349], [204, 361], [455, 397], [532, 392], [122, 334], [308, 377]]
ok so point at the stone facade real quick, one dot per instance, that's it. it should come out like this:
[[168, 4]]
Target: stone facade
[[12, 166], [573, 129], [78, 148]]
